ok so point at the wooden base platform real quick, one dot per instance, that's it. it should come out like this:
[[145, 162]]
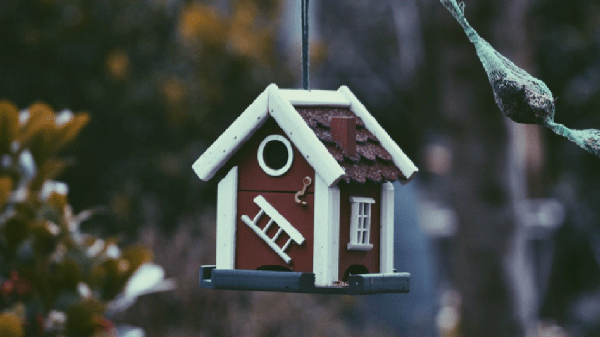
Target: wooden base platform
[[299, 282]]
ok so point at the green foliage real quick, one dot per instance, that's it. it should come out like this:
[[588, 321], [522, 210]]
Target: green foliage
[[55, 280], [164, 78]]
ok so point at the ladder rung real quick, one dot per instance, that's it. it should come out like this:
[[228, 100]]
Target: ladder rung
[[267, 226], [260, 213], [266, 239], [277, 234], [284, 226], [287, 244], [279, 219]]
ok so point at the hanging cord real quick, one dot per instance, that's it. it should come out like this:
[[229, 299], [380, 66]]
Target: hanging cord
[[520, 96], [305, 44]]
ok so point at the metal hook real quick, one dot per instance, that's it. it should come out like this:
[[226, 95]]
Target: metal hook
[[306, 181]]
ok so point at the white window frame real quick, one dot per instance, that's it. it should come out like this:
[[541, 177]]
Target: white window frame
[[360, 223], [261, 159]]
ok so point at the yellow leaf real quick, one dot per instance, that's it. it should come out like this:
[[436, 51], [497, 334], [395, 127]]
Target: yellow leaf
[[174, 90], [41, 116], [137, 255], [203, 22], [37, 133], [5, 189], [245, 15], [19, 311], [123, 266], [48, 171], [9, 125], [69, 131], [81, 317], [97, 276], [58, 201], [10, 325], [117, 63]]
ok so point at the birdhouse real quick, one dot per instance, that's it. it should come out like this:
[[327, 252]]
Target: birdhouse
[[305, 201]]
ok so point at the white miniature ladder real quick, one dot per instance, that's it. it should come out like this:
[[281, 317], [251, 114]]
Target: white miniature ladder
[[284, 225]]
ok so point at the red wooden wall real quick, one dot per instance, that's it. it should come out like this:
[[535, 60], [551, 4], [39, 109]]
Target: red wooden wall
[[369, 259], [251, 251]]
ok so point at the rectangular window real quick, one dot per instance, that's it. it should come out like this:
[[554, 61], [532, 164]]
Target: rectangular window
[[360, 223]]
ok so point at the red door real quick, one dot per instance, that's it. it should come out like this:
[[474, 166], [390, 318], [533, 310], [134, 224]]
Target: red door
[[272, 168], [254, 252]]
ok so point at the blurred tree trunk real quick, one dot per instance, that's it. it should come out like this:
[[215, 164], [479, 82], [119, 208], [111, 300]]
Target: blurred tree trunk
[[477, 187], [525, 163]]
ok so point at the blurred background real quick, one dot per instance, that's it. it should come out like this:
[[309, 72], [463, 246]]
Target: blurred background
[[500, 230]]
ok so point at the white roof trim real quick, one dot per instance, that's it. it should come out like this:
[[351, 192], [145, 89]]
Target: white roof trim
[[270, 102], [400, 159], [311, 148], [234, 136], [279, 104], [314, 97]]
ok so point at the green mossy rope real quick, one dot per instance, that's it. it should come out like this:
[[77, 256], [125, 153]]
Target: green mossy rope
[[520, 96]]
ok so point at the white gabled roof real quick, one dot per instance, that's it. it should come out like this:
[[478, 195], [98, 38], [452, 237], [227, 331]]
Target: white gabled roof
[[279, 104]]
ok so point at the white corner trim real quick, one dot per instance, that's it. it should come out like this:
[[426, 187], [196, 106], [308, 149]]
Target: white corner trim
[[234, 136], [400, 159], [326, 233], [261, 158], [226, 220], [386, 255], [304, 138], [314, 97]]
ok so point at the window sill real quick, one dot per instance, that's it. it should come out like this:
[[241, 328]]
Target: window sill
[[359, 246]]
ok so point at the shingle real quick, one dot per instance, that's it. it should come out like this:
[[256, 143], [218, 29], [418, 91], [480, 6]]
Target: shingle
[[373, 151], [372, 162]]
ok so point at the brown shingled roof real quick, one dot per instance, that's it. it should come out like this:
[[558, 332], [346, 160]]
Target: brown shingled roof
[[371, 161]]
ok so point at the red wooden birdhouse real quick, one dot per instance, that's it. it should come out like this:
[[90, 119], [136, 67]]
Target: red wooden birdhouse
[[306, 202]]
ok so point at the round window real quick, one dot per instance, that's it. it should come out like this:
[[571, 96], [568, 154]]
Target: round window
[[275, 155]]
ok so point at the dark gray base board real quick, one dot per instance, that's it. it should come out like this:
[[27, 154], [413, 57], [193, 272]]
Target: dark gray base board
[[299, 282]]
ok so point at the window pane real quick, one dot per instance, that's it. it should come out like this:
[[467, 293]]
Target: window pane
[[361, 221]]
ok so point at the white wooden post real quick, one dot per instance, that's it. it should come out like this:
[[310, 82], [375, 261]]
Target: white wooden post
[[326, 233], [226, 219], [386, 254]]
